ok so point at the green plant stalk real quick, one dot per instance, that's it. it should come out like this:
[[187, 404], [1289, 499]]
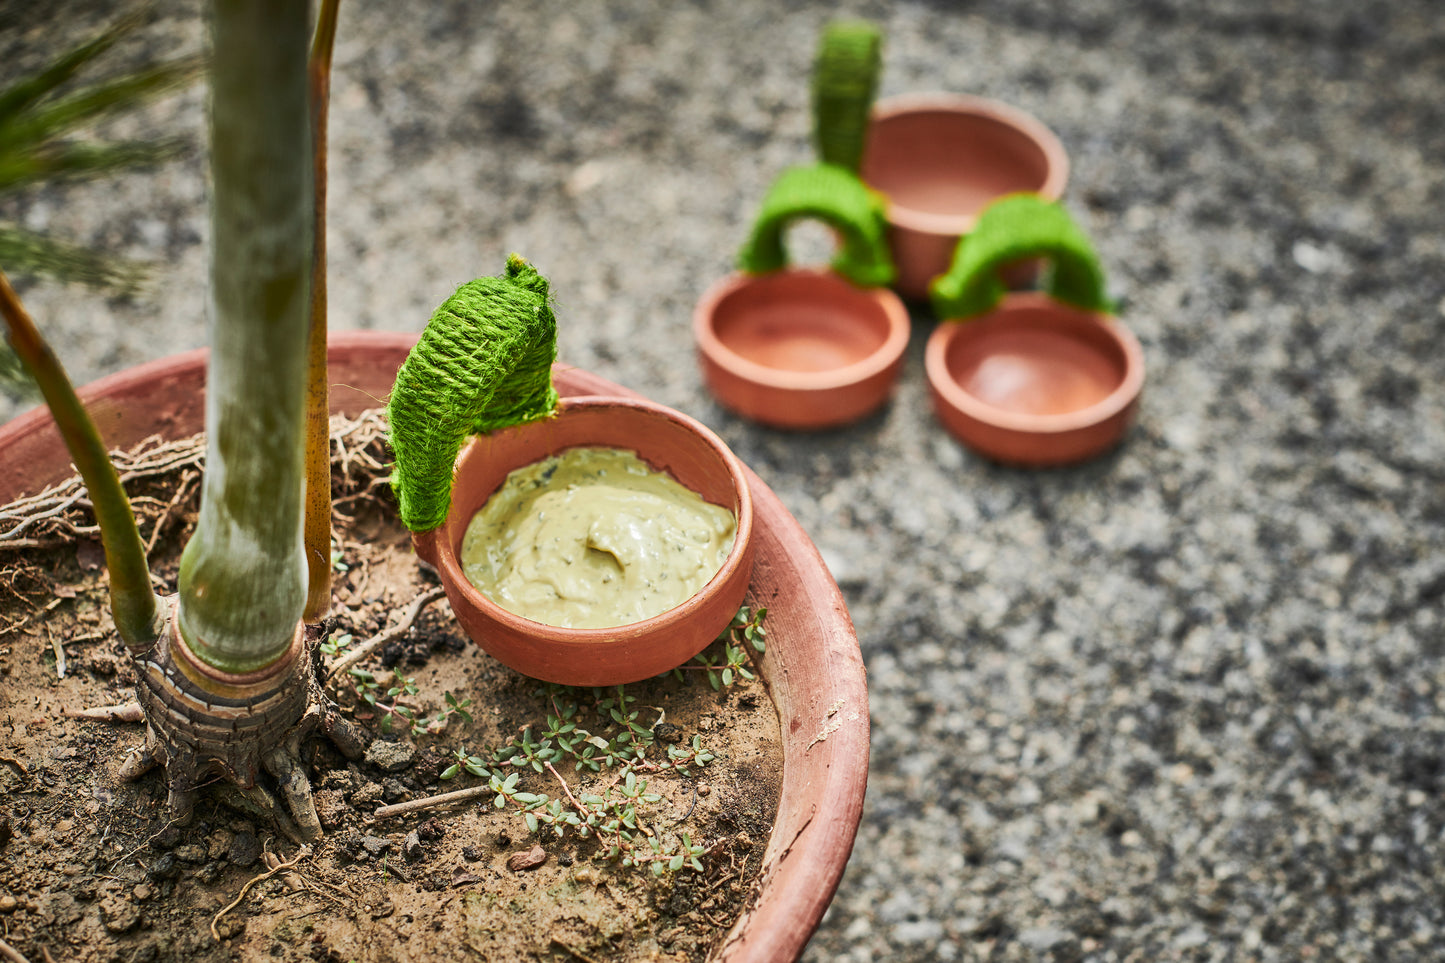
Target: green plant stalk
[[318, 402], [243, 573], [138, 615]]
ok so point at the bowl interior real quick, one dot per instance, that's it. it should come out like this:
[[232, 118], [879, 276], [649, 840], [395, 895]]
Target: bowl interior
[[950, 162], [667, 441], [1038, 363], [800, 322]]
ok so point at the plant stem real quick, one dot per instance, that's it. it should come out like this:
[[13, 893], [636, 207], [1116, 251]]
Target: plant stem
[[318, 406], [133, 605], [243, 578]]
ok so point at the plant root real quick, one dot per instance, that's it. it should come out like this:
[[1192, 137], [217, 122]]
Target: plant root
[[279, 867], [202, 724], [396, 631], [10, 954]]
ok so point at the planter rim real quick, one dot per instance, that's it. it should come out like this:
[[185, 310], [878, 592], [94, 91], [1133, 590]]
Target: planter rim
[[953, 394], [1006, 115], [879, 361]]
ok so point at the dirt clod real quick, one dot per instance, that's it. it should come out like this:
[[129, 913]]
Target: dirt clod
[[245, 850], [119, 915], [390, 757]]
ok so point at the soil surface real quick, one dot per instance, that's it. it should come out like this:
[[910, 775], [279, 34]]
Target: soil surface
[[91, 868]]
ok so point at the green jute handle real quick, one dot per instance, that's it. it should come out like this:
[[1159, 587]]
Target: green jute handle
[[484, 362], [1013, 228], [845, 80], [838, 198]]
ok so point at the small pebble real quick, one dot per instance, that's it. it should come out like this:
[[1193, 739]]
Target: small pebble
[[530, 859], [164, 867], [376, 845]]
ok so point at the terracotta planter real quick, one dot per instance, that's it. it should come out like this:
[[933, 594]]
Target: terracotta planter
[[941, 159], [800, 348], [813, 667], [667, 440], [1035, 382]]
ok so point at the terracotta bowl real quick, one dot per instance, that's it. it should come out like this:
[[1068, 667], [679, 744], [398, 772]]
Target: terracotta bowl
[[665, 439], [940, 159], [1035, 382], [800, 348]]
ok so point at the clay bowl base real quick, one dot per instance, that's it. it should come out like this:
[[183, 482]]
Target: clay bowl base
[[668, 441], [800, 348], [941, 159], [1035, 383]]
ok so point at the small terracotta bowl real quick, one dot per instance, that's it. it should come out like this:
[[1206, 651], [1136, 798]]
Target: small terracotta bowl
[[941, 159], [1035, 382], [665, 439], [800, 347]]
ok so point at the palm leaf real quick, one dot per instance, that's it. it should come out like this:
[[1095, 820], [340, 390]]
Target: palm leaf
[[41, 117], [25, 252]]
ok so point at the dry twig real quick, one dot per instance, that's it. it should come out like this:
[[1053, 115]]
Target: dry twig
[[396, 631], [161, 477], [430, 802], [125, 712]]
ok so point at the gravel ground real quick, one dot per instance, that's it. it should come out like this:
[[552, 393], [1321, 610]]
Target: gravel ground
[[1184, 702]]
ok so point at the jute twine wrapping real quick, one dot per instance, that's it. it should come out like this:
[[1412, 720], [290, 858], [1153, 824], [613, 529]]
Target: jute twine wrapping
[[1019, 227], [838, 198], [845, 79], [484, 362]]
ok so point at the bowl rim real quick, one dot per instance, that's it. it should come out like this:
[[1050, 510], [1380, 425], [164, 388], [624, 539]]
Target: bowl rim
[[880, 360], [952, 394], [453, 530], [1056, 158]]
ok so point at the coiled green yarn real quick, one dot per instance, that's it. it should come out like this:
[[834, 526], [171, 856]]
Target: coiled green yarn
[[484, 362], [1018, 227], [836, 197], [845, 79]]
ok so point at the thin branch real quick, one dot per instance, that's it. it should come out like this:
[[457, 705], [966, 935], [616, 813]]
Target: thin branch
[[431, 802], [396, 631], [186, 479], [568, 792], [125, 712]]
